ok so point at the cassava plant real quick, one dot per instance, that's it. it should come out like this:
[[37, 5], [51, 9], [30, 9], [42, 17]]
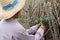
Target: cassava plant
[[44, 20]]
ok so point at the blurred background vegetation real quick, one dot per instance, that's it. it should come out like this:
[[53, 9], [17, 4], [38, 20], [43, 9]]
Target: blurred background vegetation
[[38, 8]]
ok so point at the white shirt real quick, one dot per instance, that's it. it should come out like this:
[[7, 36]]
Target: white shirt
[[13, 30]]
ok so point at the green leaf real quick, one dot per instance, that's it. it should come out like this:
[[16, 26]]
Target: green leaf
[[46, 18], [42, 20], [35, 21]]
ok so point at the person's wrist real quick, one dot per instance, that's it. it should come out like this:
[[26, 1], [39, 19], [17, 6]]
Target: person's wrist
[[38, 25], [42, 26]]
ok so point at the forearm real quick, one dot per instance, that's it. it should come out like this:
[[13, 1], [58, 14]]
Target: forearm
[[32, 30], [39, 34]]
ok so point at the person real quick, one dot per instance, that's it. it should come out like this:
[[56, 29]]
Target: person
[[10, 28]]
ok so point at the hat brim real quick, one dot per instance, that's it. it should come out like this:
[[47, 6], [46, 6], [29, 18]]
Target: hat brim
[[6, 14]]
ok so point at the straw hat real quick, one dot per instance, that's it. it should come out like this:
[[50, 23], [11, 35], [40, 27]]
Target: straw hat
[[9, 8]]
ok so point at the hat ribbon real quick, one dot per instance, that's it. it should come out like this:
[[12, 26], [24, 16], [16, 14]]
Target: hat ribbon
[[10, 5]]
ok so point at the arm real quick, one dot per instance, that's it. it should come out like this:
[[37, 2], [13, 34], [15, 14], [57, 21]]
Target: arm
[[39, 34], [33, 29], [26, 36]]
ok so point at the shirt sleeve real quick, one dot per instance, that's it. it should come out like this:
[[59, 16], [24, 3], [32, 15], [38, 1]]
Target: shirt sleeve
[[32, 30], [39, 34], [27, 36]]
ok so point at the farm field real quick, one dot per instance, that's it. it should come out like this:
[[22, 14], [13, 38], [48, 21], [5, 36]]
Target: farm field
[[35, 9]]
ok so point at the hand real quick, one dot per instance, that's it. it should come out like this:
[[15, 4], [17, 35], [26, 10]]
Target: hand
[[38, 25], [42, 26]]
